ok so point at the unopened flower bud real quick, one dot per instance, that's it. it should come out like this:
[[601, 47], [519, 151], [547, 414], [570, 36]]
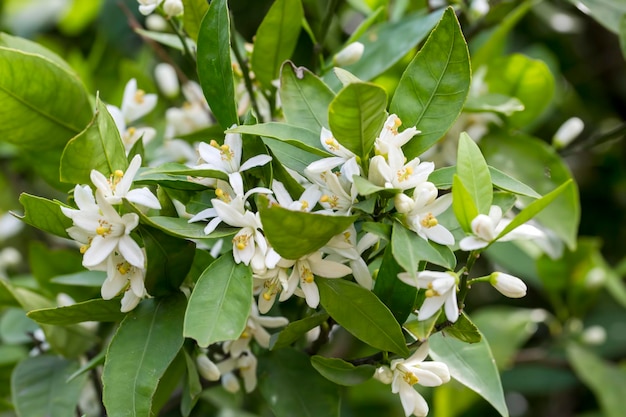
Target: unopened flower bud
[[384, 374], [568, 132], [349, 55], [403, 203], [10, 257], [156, 23], [207, 368], [230, 383], [166, 79], [508, 285], [173, 7]]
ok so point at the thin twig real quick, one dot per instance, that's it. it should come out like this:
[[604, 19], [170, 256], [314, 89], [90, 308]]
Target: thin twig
[[243, 65]]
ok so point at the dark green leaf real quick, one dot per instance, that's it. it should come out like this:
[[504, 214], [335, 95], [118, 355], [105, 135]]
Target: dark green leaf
[[295, 330], [397, 296], [409, 250], [45, 215], [297, 136], [91, 310], [290, 156], [464, 330], [342, 372]]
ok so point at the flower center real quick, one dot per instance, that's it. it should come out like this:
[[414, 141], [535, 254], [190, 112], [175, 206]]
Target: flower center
[[429, 221], [241, 241], [307, 275], [333, 201], [104, 228], [404, 174], [124, 268], [271, 288], [408, 376], [139, 96], [332, 144], [225, 197]]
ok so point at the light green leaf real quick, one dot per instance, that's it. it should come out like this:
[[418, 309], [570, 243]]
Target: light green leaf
[[91, 310], [473, 172], [192, 18], [365, 188], [289, 155], [214, 66], [442, 178], [25, 45], [81, 279], [607, 13], [464, 330], [463, 205], [276, 39], [295, 330], [294, 234], [79, 16], [361, 313], [342, 372], [472, 365], [346, 77], [44, 214], [297, 136], [97, 147], [495, 103], [409, 250], [291, 387], [422, 329], [356, 116], [220, 302], [175, 170], [395, 294], [39, 387], [11, 354], [432, 90], [606, 381], [305, 98], [142, 349], [167, 39]]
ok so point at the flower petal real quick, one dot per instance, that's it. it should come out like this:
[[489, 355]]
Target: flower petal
[[144, 197], [131, 251], [470, 243]]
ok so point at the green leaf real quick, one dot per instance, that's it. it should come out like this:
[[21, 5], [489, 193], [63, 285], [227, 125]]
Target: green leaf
[[361, 313], [173, 169], [192, 18], [472, 365], [464, 330], [622, 34], [142, 349], [11, 354], [356, 116], [97, 147], [395, 294], [342, 372], [81, 279], [292, 387], [297, 136], [39, 387], [495, 103], [432, 90], [535, 163], [44, 114], [289, 155], [91, 310], [304, 97], [607, 13], [44, 214], [15, 327], [463, 205], [409, 250], [25, 45], [220, 302], [422, 329], [529, 80], [295, 330], [606, 381], [442, 178], [294, 234], [473, 172], [167, 39], [365, 188], [276, 39], [79, 15], [169, 261], [214, 66]]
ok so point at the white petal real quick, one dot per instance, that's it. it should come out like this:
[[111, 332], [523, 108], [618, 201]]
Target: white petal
[[408, 279], [203, 215], [430, 306], [418, 356], [144, 197], [112, 286], [329, 269], [255, 161], [212, 225], [281, 194], [100, 182], [451, 307], [129, 301], [99, 250], [228, 214], [470, 243], [439, 234], [131, 251], [311, 293], [361, 273], [325, 164], [407, 398]]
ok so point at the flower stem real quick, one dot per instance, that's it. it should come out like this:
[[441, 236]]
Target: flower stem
[[243, 65], [464, 284]]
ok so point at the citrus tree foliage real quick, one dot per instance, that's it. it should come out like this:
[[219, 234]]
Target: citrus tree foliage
[[315, 216]]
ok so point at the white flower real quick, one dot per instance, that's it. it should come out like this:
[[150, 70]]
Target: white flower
[[487, 228], [148, 6], [306, 202], [269, 284], [421, 212], [246, 363], [440, 291], [349, 55], [345, 247], [136, 103], [167, 80], [338, 194], [390, 140], [255, 328], [173, 7], [227, 157], [122, 275], [393, 172], [117, 187], [568, 132], [343, 157], [193, 116], [414, 370], [131, 135], [508, 285], [207, 368]]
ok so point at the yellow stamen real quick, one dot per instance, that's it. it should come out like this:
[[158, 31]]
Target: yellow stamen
[[267, 295], [324, 199], [305, 205], [429, 221], [139, 96], [346, 236], [84, 248], [404, 174], [214, 143], [431, 293], [124, 268], [307, 275], [241, 241], [103, 230], [410, 378]]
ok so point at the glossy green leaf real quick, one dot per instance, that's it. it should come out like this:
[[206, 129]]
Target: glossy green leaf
[[174, 169], [220, 302], [442, 178], [291, 387], [81, 279], [462, 204], [495, 103], [464, 330], [346, 77], [192, 18], [44, 214], [94, 362], [39, 387], [214, 65], [297, 136], [606, 381], [529, 80], [295, 330], [294, 234], [191, 386], [25, 45], [276, 39], [142, 349], [409, 250], [342, 372], [39, 115], [472, 365], [432, 90], [356, 116], [365, 188], [473, 172], [15, 327], [290, 156], [536, 164], [305, 98], [361, 313], [395, 294], [97, 147], [91, 310], [422, 329]]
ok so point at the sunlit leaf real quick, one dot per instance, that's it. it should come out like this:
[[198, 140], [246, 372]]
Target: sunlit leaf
[[44, 214], [462, 204], [192, 18], [473, 172], [297, 136]]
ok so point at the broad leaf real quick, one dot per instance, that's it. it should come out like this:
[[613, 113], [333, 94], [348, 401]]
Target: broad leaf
[[81, 279], [472, 365], [342, 372], [495, 103], [356, 116], [290, 156], [409, 250], [44, 214], [463, 205], [361, 313], [214, 66], [607, 13], [442, 178], [432, 90], [91, 310], [395, 294], [297, 136], [464, 330], [422, 329], [39, 387], [97, 147], [295, 330], [142, 349], [473, 172], [220, 302], [276, 39], [192, 18]]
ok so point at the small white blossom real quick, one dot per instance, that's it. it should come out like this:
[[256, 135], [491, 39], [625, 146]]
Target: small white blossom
[[167, 80], [173, 7], [422, 211], [440, 291], [393, 172], [343, 157], [344, 247], [508, 285], [349, 55], [227, 157], [148, 6], [306, 202], [207, 368], [390, 140], [255, 328]]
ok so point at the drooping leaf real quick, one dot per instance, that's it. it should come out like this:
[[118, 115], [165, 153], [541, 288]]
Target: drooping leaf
[[297, 136], [44, 214], [276, 39], [167, 39], [145, 344], [462, 204], [97, 147], [409, 250], [472, 365], [295, 330], [473, 172], [361, 313], [495, 103], [192, 18], [91, 310], [432, 90], [395, 294], [356, 116], [290, 156], [342, 372], [214, 65], [220, 302], [39, 387]]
